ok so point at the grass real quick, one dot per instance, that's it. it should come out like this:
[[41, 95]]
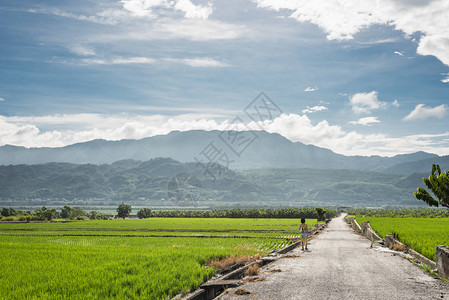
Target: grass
[[45, 264], [420, 234], [224, 263], [253, 270]]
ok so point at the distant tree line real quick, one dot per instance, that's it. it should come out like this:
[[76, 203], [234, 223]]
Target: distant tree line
[[281, 213], [400, 212], [47, 214]]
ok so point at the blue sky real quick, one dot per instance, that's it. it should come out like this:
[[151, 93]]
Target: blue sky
[[360, 79]]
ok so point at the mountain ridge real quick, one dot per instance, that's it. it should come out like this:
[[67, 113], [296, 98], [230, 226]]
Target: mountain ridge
[[266, 150], [150, 183]]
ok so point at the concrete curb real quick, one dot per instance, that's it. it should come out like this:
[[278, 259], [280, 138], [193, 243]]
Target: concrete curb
[[365, 230], [443, 261], [356, 225], [369, 233], [211, 288], [390, 242]]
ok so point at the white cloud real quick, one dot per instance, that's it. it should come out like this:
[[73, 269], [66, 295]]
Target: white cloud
[[199, 30], [399, 53], [364, 103], [314, 109], [144, 8], [24, 131], [148, 8], [300, 129], [341, 20], [310, 89], [2, 99], [446, 79], [204, 62], [421, 112], [436, 45], [117, 61], [132, 9], [156, 20], [106, 17], [193, 11], [82, 50], [365, 121]]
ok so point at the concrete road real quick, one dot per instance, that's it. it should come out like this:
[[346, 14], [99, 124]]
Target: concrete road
[[340, 264]]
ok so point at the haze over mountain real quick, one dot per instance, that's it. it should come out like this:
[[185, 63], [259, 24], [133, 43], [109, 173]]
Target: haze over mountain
[[247, 150], [164, 183]]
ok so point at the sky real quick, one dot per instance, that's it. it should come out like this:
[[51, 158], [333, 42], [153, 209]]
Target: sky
[[358, 77]]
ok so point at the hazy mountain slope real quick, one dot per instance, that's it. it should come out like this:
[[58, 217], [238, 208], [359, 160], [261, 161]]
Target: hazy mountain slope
[[421, 166], [147, 183], [266, 151]]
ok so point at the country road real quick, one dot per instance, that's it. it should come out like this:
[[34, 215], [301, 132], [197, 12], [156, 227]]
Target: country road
[[340, 264]]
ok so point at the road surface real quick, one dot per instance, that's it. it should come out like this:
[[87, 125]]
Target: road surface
[[341, 264]]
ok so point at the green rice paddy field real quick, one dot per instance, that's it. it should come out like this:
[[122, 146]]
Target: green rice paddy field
[[420, 234], [152, 258]]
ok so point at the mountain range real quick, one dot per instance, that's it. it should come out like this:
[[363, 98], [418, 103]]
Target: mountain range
[[169, 184], [235, 150], [225, 168]]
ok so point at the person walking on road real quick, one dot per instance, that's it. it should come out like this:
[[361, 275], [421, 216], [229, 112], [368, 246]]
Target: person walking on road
[[304, 233]]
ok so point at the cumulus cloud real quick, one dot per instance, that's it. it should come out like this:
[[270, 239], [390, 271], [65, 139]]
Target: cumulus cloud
[[314, 109], [422, 112], [148, 8], [365, 121], [364, 103], [301, 129], [193, 11], [144, 8], [204, 62], [436, 45], [25, 131], [310, 89], [341, 20]]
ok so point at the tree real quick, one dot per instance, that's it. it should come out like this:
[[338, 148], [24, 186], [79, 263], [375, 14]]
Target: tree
[[438, 183], [95, 215], [5, 212], [72, 213], [45, 213], [144, 213], [123, 210], [321, 213]]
